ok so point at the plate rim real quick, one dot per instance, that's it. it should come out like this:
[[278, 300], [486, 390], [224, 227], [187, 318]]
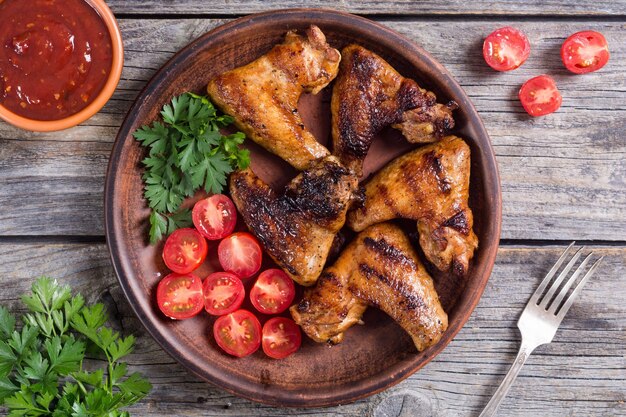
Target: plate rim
[[287, 398]]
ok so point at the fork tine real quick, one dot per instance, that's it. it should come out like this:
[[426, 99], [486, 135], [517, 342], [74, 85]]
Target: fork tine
[[568, 303], [559, 298], [557, 282], [546, 280]]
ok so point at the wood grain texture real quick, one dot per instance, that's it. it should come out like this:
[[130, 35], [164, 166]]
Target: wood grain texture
[[563, 175], [580, 373], [372, 7]]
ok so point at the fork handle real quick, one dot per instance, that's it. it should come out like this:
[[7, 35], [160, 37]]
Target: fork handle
[[503, 389]]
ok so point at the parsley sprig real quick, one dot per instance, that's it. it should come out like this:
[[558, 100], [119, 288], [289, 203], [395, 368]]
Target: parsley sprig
[[41, 365], [185, 153]]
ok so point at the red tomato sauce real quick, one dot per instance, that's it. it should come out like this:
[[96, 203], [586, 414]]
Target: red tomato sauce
[[55, 57]]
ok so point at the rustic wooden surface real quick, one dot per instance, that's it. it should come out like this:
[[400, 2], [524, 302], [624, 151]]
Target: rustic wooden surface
[[380, 7], [563, 178], [580, 374]]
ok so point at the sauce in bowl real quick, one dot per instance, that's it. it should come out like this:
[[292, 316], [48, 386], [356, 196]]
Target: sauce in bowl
[[55, 57]]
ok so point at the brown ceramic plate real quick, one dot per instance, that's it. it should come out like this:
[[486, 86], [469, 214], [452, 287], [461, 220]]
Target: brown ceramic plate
[[372, 357]]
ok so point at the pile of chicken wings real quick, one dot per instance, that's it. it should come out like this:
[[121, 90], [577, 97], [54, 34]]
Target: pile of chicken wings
[[298, 225]]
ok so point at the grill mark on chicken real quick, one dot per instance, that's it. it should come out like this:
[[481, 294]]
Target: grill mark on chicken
[[362, 66], [355, 144], [304, 305], [409, 299], [458, 222], [368, 96], [409, 96], [385, 195], [429, 185], [331, 278], [309, 196], [297, 227], [458, 268], [388, 252], [262, 95], [427, 123], [446, 124], [271, 230], [378, 268], [365, 66], [433, 161]]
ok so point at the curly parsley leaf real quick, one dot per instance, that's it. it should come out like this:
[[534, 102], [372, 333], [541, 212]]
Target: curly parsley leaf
[[186, 152], [41, 365]]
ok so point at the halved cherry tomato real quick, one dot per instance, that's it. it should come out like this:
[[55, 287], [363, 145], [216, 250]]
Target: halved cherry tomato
[[240, 254], [238, 333], [184, 250], [272, 292], [223, 293], [180, 296], [585, 51], [539, 96], [215, 217], [506, 49], [281, 337]]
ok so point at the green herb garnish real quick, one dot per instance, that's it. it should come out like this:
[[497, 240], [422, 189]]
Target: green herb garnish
[[186, 152], [41, 365]]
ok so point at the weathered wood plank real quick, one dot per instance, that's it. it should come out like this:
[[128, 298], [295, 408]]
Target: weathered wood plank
[[580, 373], [563, 175], [370, 7]]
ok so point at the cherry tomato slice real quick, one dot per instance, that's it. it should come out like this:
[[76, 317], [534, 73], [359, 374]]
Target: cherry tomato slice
[[506, 48], [215, 217], [180, 296], [539, 96], [238, 333], [184, 250], [281, 337], [240, 254], [272, 292], [223, 293], [585, 51]]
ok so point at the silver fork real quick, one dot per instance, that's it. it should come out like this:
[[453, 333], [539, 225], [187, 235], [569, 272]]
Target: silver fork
[[542, 317]]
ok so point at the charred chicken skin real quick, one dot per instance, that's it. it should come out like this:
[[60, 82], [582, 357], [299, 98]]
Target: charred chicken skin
[[263, 96], [297, 227], [427, 123], [379, 268], [430, 185], [370, 95]]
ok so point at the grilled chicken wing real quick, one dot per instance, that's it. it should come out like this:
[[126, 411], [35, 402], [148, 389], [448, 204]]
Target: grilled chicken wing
[[263, 95], [427, 123], [370, 95], [297, 227], [430, 185], [379, 268]]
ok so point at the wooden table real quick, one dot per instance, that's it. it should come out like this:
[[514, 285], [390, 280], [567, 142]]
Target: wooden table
[[563, 179]]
